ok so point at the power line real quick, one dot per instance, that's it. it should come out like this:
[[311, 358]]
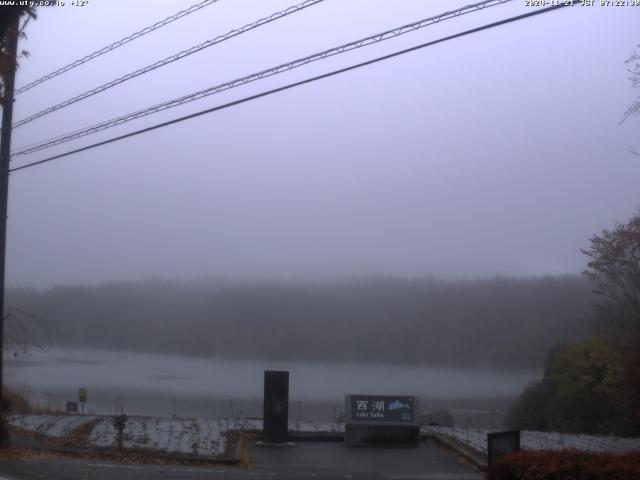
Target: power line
[[372, 39], [165, 61], [114, 45], [292, 85]]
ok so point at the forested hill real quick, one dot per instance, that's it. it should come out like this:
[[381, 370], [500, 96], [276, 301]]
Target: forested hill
[[500, 322]]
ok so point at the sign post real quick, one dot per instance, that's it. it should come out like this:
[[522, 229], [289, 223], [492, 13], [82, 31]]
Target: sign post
[[119, 423], [381, 420], [499, 443], [82, 397]]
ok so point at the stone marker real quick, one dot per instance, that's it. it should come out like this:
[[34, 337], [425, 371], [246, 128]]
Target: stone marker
[[381, 420], [276, 406], [499, 443]]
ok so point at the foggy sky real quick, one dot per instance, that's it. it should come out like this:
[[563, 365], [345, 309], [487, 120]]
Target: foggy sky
[[498, 153]]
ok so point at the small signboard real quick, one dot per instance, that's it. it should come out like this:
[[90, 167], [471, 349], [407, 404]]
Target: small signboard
[[82, 394], [381, 408], [120, 421], [499, 443], [72, 407]]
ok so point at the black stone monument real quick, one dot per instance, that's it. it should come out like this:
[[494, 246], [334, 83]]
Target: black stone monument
[[276, 406]]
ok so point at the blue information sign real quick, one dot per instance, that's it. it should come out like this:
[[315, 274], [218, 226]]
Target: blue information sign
[[381, 408]]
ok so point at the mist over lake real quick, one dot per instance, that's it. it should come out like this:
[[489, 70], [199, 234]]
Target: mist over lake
[[150, 384], [200, 348]]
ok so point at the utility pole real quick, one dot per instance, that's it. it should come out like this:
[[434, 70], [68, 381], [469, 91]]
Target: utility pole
[[11, 45]]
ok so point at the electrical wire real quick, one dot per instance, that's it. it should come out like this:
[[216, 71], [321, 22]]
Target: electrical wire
[[372, 39], [165, 61], [114, 45], [294, 84]]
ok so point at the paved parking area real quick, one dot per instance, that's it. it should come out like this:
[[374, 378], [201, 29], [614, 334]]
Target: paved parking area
[[307, 460], [333, 460]]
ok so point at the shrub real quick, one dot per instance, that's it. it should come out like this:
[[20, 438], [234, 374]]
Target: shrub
[[579, 393], [566, 464], [530, 412], [18, 404], [12, 402]]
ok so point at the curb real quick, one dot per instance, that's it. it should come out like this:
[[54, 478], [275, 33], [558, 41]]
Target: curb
[[317, 436], [108, 452], [306, 436], [477, 459]]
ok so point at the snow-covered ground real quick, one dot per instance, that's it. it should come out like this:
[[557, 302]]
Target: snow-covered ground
[[196, 436], [302, 426], [51, 425], [477, 439], [206, 437]]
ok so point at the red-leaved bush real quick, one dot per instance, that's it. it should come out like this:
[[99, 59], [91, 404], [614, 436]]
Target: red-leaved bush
[[566, 465]]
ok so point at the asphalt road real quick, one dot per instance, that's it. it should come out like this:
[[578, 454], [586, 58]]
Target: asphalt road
[[307, 460]]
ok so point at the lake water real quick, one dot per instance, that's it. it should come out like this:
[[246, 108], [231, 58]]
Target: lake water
[[157, 384]]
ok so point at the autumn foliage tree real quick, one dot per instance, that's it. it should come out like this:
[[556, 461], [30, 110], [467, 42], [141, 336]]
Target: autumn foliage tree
[[8, 15], [614, 269], [578, 393], [583, 380], [593, 386]]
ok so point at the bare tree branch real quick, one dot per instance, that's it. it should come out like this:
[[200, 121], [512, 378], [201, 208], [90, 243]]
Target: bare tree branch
[[634, 71], [24, 330]]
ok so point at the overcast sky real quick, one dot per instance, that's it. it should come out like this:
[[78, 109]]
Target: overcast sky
[[498, 153]]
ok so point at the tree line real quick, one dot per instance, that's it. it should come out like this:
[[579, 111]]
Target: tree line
[[500, 322]]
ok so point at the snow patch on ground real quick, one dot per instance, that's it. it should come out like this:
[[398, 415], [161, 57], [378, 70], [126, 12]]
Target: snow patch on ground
[[50, 425], [296, 426], [477, 439], [202, 436], [195, 436]]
